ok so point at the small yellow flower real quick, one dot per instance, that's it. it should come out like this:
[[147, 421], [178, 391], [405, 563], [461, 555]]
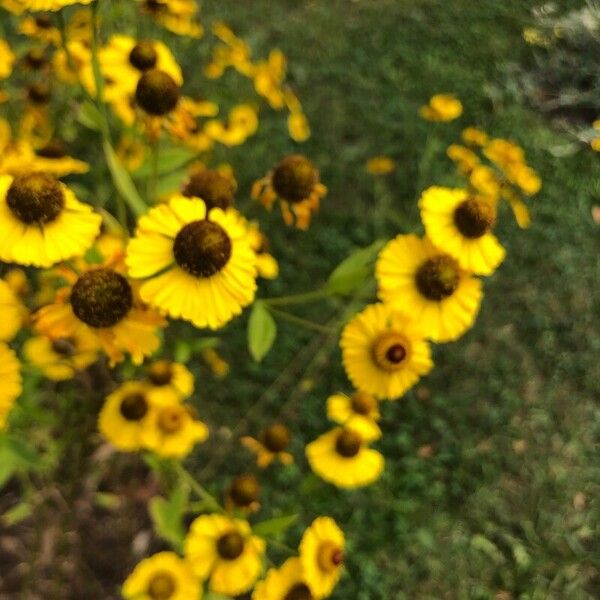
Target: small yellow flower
[[384, 352], [417, 278], [380, 165], [223, 551], [342, 457], [361, 408], [7, 60], [466, 160], [322, 556], [163, 576], [442, 107], [242, 123], [129, 412], [243, 494], [474, 136], [40, 27], [524, 177], [595, 144], [165, 373], [285, 583], [218, 366], [504, 152], [178, 16], [10, 375], [272, 444], [485, 181]]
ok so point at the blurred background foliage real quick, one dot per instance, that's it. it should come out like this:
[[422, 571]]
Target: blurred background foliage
[[492, 475]]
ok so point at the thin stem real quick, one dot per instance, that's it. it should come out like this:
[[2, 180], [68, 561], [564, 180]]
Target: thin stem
[[98, 79], [298, 298], [197, 488], [286, 316], [155, 150]]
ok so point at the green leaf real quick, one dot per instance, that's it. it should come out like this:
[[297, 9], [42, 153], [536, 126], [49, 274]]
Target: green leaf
[[15, 455], [262, 331], [167, 516], [352, 272], [170, 159], [89, 116], [123, 181], [274, 527]]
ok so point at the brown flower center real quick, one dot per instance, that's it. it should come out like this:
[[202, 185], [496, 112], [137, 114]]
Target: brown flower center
[[35, 58], [329, 556], [215, 189], [160, 372], [43, 21], [162, 586], [390, 350], [39, 93], [348, 443], [244, 490], [363, 403], [157, 92], [294, 178], [143, 55], [202, 248], [276, 438], [64, 347], [53, 149], [134, 407], [171, 418], [230, 545], [35, 198], [474, 217], [299, 591], [101, 298], [438, 278]]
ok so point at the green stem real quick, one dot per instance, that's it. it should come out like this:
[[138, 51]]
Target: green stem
[[198, 489], [298, 298], [286, 316]]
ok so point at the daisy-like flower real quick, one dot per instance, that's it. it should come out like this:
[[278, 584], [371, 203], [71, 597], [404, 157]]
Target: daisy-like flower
[[380, 165], [42, 222], [178, 16], [465, 159], [40, 27], [295, 183], [10, 375], [268, 79], [124, 60], [130, 411], [171, 431], [285, 583], [223, 551], [474, 136], [163, 576], [101, 301], [243, 493], [13, 312], [442, 108], [342, 456], [384, 352], [242, 123], [421, 280], [360, 409], [61, 359], [461, 224], [197, 267], [216, 189], [20, 6], [272, 444], [165, 373], [322, 556]]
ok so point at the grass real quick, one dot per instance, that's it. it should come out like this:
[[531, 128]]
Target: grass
[[492, 478]]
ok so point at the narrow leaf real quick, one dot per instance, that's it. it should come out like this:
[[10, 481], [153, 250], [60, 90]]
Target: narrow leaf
[[273, 527], [352, 272]]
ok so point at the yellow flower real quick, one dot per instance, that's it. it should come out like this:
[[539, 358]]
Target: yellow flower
[[360, 409], [101, 301], [224, 551], [524, 177], [384, 353], [124, 59], [466, 160], [60, 359], [41, 221], [243, 494], [129, 412], [272, 444], [474, 136], [178, 16], [218, 366], [284, 583], [163, 576], [197, 267], [43, 5], [171, 431], [461, 224], [295, 183], [442, 107], [485, 181], [242, 123], [164, 373], [76, 66], [7, 59], [380, 165], [40, 27], [595, 144], [322, 556], [342, 457], [10, 375], [268, 79], [266, 263], [416, 277], [503, 152], [13, 313]]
